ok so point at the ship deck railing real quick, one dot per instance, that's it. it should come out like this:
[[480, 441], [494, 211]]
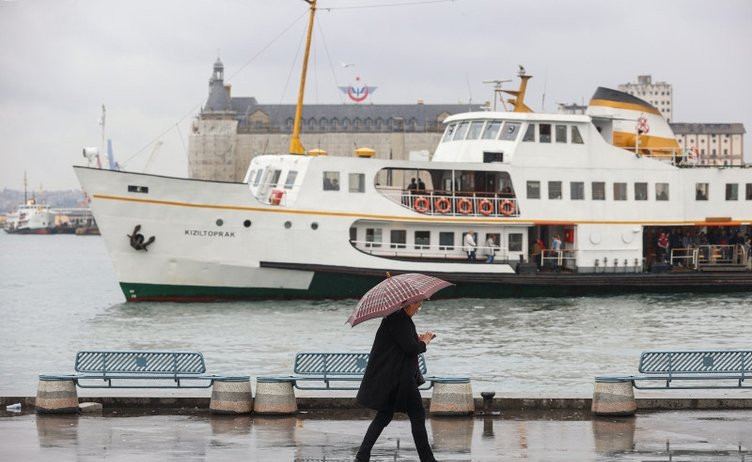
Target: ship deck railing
[[564, 258], [680, 157], [675, 156], [427, 251], [709, 255], [455, 203], [687, 257], [722, 254]]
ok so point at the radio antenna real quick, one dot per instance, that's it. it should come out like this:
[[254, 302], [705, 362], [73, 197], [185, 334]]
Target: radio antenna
[[497, 91]]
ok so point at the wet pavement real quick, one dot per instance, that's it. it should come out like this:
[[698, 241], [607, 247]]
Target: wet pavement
[[675, 436]]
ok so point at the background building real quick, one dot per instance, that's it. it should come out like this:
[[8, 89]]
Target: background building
[[230, 131], [712, 143], [572, 108], [715, 144], [658, 94]]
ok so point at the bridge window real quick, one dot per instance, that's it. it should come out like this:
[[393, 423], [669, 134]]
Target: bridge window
[[702, 191], [599, 190], [275, 178], [291, 175], [357, 182], [461, 131], [373, 237], [544, 133], [510, 130], [620, 191], [577, 190], [561, 133], [492, 130], [640, 191], [748, 192], [446, 241], [398, 238], [533, 189], [257, 180], [475, 129], [529, 134], [331, 181], [448, 133], [661, 191], [732, 192], [422, 239], [554, 190]]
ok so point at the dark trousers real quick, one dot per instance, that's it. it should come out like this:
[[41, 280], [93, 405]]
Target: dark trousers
[[417, 415]]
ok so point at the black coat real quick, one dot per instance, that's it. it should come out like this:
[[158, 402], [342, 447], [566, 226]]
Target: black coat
[[390, 376]]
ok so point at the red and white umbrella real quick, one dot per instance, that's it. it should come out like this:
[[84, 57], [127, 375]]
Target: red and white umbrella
[[393, 293]]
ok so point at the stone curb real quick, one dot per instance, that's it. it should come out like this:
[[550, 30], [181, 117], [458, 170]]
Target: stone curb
[[349, 404]]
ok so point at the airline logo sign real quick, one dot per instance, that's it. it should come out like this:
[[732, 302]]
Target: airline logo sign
[[358, 92]]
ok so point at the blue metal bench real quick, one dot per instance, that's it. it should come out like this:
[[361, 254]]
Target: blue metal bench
[[659, 370], [170, 369], [337, 371]]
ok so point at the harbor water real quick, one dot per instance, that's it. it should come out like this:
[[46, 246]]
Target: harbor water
[[58, 295]]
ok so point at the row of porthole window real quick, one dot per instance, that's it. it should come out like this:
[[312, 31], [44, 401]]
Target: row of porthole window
[[247, 224], [598, 191]]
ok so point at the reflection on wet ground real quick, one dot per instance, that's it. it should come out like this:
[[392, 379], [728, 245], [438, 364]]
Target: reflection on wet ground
[[660, 436]]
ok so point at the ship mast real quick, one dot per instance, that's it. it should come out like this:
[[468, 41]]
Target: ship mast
[[296, 147], [519, 101]]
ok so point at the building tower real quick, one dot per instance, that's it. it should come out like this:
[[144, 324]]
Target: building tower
[[659, 94], [211, 147]]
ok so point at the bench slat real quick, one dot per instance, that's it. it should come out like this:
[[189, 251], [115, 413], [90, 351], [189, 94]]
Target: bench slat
[[167, 362], [336, 369], [691, 362], [343, 364]]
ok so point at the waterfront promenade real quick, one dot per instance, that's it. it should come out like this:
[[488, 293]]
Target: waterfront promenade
[[528, 436]]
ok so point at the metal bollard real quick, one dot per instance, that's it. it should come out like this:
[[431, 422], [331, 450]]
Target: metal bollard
[[487, 401]]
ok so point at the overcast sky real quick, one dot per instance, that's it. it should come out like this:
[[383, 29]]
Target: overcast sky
[[149, 62]]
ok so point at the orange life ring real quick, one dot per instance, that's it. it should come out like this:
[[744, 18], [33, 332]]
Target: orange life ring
[[465, 206], [421, 204], [506, 207], [443, 205], [485, 207]]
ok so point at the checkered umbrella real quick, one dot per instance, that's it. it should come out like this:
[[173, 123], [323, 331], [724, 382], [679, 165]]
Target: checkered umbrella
[[393, 293]]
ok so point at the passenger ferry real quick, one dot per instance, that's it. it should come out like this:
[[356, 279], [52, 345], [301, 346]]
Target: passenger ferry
[[30, 218], [309, 225]]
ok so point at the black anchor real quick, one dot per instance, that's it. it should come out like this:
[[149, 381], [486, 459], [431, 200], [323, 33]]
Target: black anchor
[[137, 239]]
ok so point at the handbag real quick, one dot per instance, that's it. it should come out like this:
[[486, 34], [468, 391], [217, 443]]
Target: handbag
[[419, 378]]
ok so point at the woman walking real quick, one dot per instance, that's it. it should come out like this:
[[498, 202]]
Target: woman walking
[[391, 380]]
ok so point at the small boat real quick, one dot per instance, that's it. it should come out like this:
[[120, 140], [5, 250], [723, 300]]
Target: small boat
[[556, 204], [30, 218]]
